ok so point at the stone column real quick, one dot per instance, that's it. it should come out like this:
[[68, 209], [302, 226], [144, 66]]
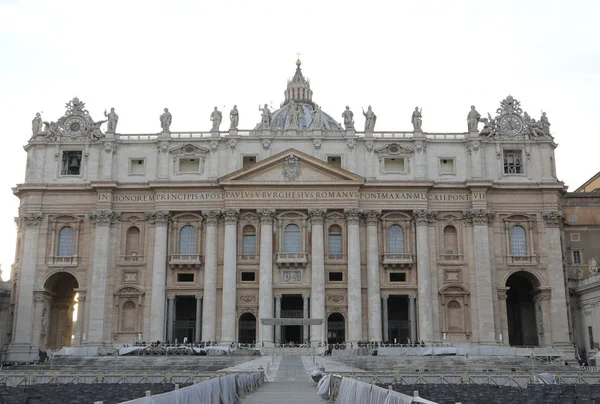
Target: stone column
[[209, 313], [373, 285], [411, 318], [354, 278], [265, 304], [22, 338], [386, 325], [102, 220], [305, 328], [170, 317], [317, 275], [277, 315], [198, 319], [422, 218], [483, 274], [160, 220], [229, 277], [79, 328], [556, 278], [503, 320]]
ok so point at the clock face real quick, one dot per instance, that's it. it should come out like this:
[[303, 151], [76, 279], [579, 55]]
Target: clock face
[[74, 125], [511, 125]]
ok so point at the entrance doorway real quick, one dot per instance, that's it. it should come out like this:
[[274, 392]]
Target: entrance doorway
[[398, 324], [336, 329], [57, 320], [184, 325], [520, 308], [291, 307], [247, 329]]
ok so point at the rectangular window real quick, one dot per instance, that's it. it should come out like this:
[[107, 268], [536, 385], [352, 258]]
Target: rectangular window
[[447, 166], [336, 276], [248, 161], [394, 165], [71, 163], [335, 243], [335, 161], [397, 276], [572, 218], [248, 276], [513, 163], [575, 237], [189, 166], [137, 167], [249, 244], [185, 277], [576, 257]]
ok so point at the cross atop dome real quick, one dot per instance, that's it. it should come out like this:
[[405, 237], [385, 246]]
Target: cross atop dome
[[298, 88]]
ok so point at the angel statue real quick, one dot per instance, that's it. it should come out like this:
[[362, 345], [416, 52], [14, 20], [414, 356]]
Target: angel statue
[[488, 126]]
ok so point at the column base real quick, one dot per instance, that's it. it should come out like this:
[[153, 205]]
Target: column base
[[18, 352]]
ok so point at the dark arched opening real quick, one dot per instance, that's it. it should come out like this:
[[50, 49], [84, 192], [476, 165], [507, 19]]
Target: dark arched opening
[[247, 329], [520, 310], [336, 329], [57, 318]]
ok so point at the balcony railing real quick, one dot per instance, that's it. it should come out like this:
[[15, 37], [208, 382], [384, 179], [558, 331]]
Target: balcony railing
[[70, 261], [335, 258], [131, 259], [287, 259], [522, 259], [397, 259], [452, 258], [247, 258], [185, 260]]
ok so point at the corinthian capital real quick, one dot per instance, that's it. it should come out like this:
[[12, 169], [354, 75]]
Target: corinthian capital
[[33, 219], [423, 216], [352, 215], [372, 217], [158, 218], [231, 216], [552, 219], [478, 216], [211, 217], [266, 215], [102, 218], [317, 215]]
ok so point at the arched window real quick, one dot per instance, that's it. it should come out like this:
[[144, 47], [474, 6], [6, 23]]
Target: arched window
[[129, 315], [518, 241], [291, 238], [249, 240], [395, 239], [335, 239], [187, 240], [66, 242], [450, 240], [132, 241]]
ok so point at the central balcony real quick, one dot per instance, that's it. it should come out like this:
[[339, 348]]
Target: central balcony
[[392, 260], [131, 259], [287, 259], [64, 261], [185, 260], [522, 260]]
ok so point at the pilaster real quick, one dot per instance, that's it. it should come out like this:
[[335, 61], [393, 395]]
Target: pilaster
[[198, 325], [305, 328], [386, 324], [425, 323], [277, 315], [160, 221]]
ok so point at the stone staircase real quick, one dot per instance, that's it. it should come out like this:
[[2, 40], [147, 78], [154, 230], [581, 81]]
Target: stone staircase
[[292, 351]]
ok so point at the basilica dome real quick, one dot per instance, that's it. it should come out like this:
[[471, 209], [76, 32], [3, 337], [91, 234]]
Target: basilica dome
[[298, 110]]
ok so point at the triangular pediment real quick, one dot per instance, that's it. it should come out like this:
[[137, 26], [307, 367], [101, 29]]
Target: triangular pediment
[[291, 167]]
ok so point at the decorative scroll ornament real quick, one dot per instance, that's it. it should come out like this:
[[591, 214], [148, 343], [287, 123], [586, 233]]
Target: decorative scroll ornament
[[266, 144], [211, 217], [266, 215], [159, 218], [317, 215], [423, 216], [105, 217], [552, 219], [291, 168], [369, 145], [352, 215], [231, 216], [110, 147], [478, 216], [372, 217], [33, 219]]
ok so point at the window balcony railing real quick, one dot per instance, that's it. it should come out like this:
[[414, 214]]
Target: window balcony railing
[[522, 259], [131, 259], [397, 259], [68, 261], [287, 259], [247, 258], [334, 258], [452, 258], [185, 260]]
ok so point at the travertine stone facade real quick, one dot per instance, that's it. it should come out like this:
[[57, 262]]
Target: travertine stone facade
[[403, 236]]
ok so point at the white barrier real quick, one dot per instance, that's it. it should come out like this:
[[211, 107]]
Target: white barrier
[[353, 391]]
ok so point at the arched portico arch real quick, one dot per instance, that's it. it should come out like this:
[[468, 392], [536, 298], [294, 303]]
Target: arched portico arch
[[336, 329], [521, 314], [247, 329], [57, 317]]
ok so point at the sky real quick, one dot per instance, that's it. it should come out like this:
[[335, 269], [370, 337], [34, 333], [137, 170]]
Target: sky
[[444, 56]]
